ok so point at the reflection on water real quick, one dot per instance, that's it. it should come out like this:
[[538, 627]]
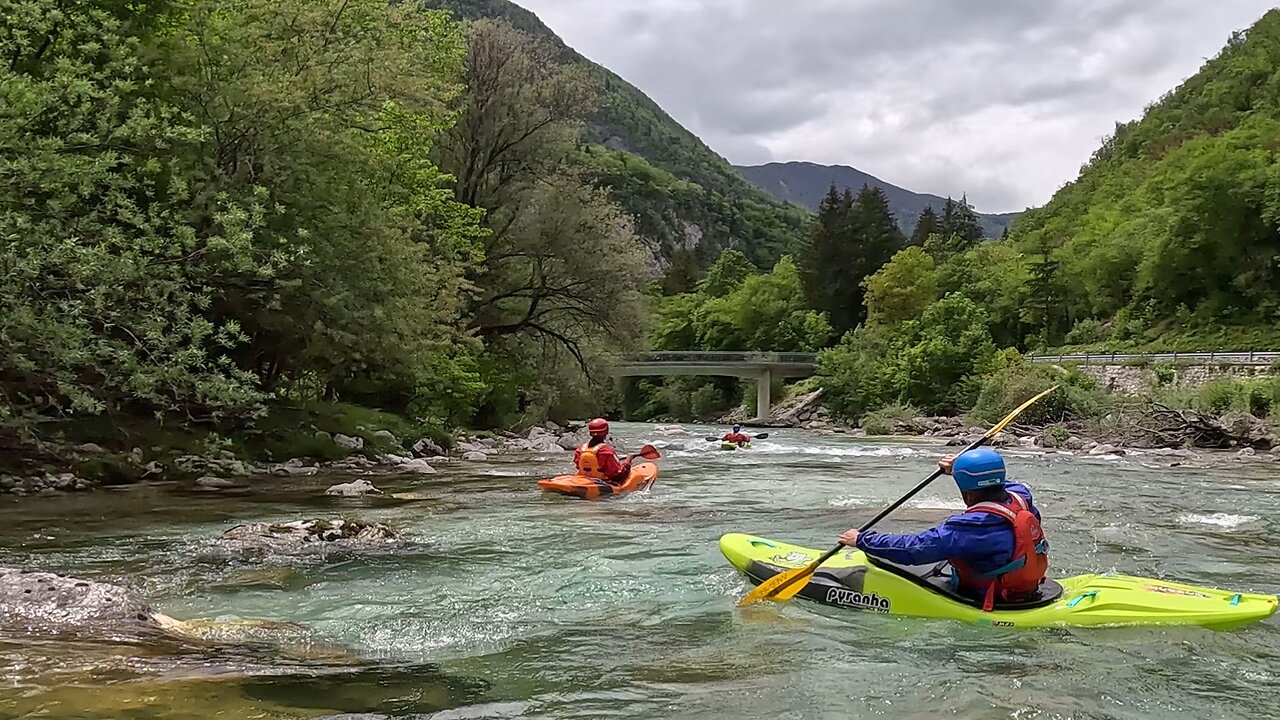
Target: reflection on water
[[513, 603]]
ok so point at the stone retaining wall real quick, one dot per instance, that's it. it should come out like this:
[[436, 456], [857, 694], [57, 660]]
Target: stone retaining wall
[[1133, 379]]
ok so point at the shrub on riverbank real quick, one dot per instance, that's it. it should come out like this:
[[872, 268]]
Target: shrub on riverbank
[[889, 419], [1259, 397], [1077, 397]]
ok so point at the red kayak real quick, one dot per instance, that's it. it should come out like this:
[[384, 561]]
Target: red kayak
[[642, 476]]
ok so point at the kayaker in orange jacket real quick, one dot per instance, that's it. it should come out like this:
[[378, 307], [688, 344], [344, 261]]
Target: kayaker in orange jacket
[[597, 459]]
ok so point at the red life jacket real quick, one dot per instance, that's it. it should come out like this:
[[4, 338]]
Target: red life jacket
[[1028, 564]]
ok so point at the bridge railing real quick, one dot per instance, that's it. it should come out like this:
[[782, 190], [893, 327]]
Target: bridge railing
[[1229, 358], [779, 358]]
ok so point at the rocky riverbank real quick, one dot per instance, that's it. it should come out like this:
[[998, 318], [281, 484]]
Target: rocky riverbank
[[366, 452], [1136, 426]]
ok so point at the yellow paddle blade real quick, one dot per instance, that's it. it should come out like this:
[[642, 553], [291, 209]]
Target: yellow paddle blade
[[794, 580], [1014, 415]]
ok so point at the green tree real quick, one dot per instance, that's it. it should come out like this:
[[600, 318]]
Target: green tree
[[959, 229], [934, 362], [1044, 307], [727, 274], [683, 274], [902, 288], [560, 286], [852, 237], [766, 312], [331, 141], [928, 224]]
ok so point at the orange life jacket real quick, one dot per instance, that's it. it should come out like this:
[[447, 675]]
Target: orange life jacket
[[1028, 565], [588, 465]]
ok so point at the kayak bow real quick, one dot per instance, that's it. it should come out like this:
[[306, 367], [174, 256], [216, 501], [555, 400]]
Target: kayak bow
[[851, 580]]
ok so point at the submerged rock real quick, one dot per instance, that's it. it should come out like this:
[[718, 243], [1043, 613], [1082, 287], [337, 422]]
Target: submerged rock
[[217, 483], [304, 536]]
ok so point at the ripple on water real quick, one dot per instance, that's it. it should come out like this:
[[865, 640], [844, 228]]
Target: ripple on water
[[1218, 519]]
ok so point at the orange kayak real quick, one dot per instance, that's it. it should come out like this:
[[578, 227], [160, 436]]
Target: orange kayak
[[642, 476]]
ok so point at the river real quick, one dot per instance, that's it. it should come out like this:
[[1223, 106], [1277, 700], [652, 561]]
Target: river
[[525, 605]]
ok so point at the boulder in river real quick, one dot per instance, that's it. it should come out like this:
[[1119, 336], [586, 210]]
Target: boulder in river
[[355, 488], [475, 456], [418, 466], [426, 447], [44, 603], [348, 443]]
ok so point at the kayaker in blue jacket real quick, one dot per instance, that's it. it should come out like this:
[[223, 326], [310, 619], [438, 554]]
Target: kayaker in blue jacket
[[996, 546]]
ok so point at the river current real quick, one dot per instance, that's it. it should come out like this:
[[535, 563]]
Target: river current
[[518, 604]]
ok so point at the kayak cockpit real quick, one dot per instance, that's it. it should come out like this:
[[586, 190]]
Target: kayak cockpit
[[937, 578]]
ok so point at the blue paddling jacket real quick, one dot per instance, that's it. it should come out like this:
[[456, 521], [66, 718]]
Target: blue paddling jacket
[[983, 540]]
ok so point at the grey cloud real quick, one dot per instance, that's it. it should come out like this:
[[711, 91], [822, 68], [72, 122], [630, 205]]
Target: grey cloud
[[1001, 99]]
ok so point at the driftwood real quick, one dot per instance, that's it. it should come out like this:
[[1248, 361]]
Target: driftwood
[[1162, 426]]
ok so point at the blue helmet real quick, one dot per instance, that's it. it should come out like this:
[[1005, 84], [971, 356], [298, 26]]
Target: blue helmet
[[977, 469], [736, 428]]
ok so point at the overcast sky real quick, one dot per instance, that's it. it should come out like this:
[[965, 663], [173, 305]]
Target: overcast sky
[[1000, 99]]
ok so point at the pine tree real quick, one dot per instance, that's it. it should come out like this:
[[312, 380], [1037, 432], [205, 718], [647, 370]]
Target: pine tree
[[1045, 306], [825, 246], [852, 238], [928, 224], [683, 274], [959, 229]]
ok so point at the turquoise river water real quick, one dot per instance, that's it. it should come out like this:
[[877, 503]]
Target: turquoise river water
[[517, 604]]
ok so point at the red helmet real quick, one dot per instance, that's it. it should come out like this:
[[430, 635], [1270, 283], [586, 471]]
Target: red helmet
[[598, 427]]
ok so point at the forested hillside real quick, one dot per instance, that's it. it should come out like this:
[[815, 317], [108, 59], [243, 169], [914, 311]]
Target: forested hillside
[[1168, 239], [806, 184], [689, 202]]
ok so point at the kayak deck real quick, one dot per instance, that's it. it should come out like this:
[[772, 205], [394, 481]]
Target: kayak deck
[[734, 446], [850, 580], [642, 476]]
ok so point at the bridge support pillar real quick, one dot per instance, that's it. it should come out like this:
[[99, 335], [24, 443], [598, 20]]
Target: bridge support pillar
[[763, 384]]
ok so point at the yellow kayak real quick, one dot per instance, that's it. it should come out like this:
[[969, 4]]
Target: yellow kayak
[[852, 580]]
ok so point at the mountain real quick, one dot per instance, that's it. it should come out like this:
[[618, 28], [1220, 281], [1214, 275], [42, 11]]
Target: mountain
[[805, 183], [685, 197]]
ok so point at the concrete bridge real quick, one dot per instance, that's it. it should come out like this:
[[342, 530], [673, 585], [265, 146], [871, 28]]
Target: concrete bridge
[[762, 367]]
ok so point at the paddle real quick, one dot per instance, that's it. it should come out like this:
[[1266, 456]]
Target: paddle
[[648, 452], [785, 585], [761, 436]]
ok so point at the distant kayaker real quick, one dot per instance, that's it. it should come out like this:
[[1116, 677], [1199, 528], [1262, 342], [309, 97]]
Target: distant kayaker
[[737, 436], [996, 547], [597, 459]]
